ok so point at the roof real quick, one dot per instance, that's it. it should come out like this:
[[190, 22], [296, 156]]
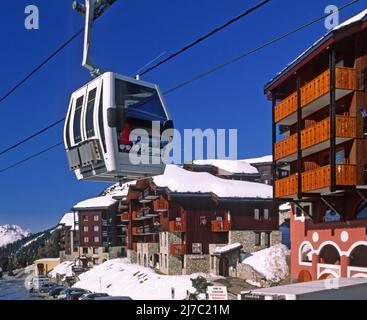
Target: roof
[[261, 160], [47, 260], [231, 166], [308, 287], [179, 180], [68, 220], [360, 17], [98, 203], [228, 248]]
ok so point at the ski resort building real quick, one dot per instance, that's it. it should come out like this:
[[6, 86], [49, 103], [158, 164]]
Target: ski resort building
[[319, 105]]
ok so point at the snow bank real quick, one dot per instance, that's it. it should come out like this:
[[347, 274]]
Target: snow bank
[[270, 263], [120, 278], [11, 233], [180, 180], [231, 166], [64, 269]]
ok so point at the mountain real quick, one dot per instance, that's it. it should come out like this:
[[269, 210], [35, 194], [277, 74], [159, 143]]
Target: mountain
[[12, 233]]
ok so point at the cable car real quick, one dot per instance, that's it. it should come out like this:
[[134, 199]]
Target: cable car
[[106, 117], [99, 128]]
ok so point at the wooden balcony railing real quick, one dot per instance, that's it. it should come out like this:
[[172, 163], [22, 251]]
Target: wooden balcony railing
[[286, 147], [345, 128], [125, 216], [177, 249], [177, 226], [286, 186], [221, 226], [346, 175], [345, 79]]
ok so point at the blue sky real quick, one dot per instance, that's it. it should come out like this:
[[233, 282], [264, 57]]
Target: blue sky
[[131, 33]]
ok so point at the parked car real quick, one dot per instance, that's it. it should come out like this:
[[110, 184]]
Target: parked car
[[38, 282], [56, 291], [75, 295], [47, 287], [113, 298], [64, 295], [93, 296]]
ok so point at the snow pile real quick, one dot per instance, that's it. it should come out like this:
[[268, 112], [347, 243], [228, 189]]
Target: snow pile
[[120, 278], [11, 233], [231, 166], [271, 263], [177, 179], [265, 159], [227, 248], [64, 269], [103, 202]]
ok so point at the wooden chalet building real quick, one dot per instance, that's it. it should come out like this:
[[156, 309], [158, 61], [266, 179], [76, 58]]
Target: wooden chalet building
[[320, 110], [178, 222]]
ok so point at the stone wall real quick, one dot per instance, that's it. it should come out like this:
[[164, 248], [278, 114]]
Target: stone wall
[[131, 256], [194, 263], [146, 254], [168, 264], [247, 239], [115, 252]]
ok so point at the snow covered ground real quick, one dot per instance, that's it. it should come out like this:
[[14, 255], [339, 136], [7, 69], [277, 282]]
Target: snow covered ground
[[64, 269], [11, 233], [270, 263], [118, 277]]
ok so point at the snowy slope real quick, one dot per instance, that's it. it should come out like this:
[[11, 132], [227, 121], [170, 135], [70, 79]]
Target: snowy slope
[[271, 263], [180, 180], [11, 233], [120, 278]]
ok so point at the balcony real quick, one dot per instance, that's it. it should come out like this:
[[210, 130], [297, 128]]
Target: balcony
[[177, 249], [316, 138], [142, 231], [125, 217], [314, 95], [221, 226], [316, 180], [177, 226]]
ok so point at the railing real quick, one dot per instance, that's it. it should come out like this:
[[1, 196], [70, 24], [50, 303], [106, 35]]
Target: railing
[[221, 226], [177, 249], [125, 216], [286, 147], [345, 128], [141, 214], [286, 186], [346, 175], [177, 226], [345, 79], [136, 231]]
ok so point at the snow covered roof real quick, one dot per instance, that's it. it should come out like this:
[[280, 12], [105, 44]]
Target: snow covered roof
[[119, 192], [227, 248], [47, 260], [68, 220], [265, 159], [355, 19], [63, 269], [231, 166], [96, 203], [179, 180], [285, 207]]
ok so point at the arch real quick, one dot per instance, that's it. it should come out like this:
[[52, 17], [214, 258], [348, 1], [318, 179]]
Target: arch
[[328, 274], [223, 267], [329, 243], [329, 254], [304, 276], [358, 256], [360, 275], [145, 260], [139, 259], [355, 245], [301, 252]]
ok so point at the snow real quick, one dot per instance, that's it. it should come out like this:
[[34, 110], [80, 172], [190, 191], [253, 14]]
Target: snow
[[103, 202], [117, 191], [63, 269], [119, 278], [68, 220], [48, 260], [177, 179], [227, 248], [352, 20], [33, 240], [270, 263], [265, 159], [285, 207], [11, 233], [231, 166]]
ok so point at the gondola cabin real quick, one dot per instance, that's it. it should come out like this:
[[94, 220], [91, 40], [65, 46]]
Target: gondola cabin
[[103, 126]]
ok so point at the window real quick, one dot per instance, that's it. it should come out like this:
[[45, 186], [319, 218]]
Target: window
[[85, 228], [257, 238], [165, 261], [362, 211], [96, 218], [266, 214], [77, 117], [203, 221], [75, 249], [95, 261], [95, 250], [100, 121], [96, 228], [96, 239], [267, 239], [85, 218], [85, 250], [331, 216], [340, 157], [257, 214], [86, 239], [89, 114]]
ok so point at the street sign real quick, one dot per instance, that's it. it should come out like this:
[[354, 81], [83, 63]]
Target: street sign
[[217, 293]]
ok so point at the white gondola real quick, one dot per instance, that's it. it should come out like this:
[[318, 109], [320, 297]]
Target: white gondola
[[103, 116]]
